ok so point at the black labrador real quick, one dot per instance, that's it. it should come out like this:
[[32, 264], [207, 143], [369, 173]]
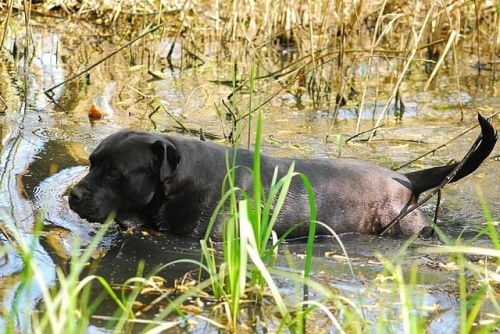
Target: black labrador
[[172, 183]]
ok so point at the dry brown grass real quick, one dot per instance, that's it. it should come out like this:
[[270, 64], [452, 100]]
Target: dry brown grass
[[332, 50]]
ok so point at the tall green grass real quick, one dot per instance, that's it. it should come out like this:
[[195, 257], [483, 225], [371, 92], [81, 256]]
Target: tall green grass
[[248, 235], [68, 304], [65, 306], [484, 278]]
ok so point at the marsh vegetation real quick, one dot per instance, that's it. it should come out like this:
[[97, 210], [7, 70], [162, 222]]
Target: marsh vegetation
[[394, 82]]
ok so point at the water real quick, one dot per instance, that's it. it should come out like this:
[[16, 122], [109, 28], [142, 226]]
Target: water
[[45, 144]]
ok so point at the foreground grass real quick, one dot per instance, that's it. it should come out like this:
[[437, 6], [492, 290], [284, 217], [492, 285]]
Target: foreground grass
[[394, 301]]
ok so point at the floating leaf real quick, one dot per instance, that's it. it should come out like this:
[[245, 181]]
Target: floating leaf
[[95, 113]]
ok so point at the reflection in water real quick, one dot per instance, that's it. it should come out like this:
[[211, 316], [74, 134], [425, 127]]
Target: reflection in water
[[123, 259], [18, 216], [20, 146], [51, 198]]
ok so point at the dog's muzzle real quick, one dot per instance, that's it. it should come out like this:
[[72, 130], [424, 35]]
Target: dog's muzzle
[[78, 194], [80, 201]]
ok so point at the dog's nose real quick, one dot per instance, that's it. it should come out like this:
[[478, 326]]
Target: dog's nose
[[77, 194]]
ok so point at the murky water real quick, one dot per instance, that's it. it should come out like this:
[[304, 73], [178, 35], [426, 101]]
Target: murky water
[[45, 143]]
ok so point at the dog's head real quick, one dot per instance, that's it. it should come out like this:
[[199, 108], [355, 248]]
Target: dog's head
[[127, 169]]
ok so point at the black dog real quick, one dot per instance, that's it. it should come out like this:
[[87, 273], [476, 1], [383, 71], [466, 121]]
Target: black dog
[[172, 183]]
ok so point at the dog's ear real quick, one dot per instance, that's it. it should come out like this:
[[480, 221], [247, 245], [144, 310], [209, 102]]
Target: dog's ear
[[168, 158]]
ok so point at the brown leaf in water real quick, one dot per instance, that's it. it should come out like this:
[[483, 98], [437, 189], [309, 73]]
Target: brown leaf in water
[[95, 113], [54, 168]]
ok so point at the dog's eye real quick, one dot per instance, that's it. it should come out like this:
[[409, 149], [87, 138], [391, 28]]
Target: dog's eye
[[112, 174]]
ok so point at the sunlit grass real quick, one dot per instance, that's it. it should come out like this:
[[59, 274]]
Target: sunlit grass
[[479, 280], [248, 234], [61, 308]]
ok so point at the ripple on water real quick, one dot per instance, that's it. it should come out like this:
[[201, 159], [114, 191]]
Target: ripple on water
[[51, 198], [52, 133]]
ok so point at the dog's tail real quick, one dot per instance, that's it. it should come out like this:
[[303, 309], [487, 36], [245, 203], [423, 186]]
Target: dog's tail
[[433, 177]]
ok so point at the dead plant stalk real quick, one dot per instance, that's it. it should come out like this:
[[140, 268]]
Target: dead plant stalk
[[405, 69]]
